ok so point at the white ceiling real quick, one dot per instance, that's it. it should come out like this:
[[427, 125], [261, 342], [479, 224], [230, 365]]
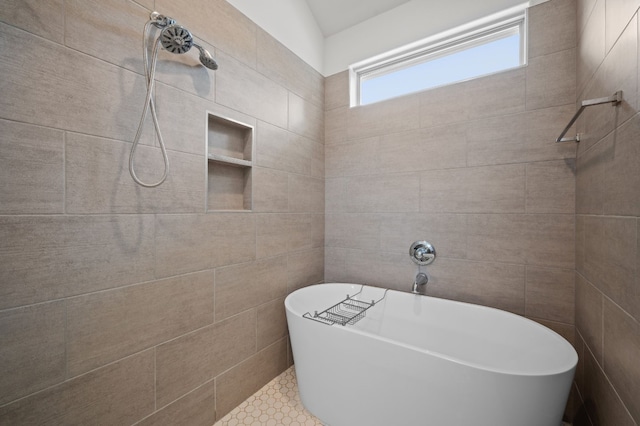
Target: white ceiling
[[334, 16]]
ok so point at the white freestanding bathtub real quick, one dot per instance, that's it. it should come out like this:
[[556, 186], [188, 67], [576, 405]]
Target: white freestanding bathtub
[[416, 360]]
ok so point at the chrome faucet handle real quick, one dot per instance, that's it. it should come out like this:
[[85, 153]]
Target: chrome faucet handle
[[422, 253]]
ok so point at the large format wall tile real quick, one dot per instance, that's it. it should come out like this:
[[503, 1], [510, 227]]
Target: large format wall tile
[[183, 119], [32, 354], [272, 234], [614, 271], [336, 90], [286, 151], [188, 243], [306, 118], [550, 294], [584, 9], [247, 285], [520, 138], [111, 30], [621, 176], [497, 94], [551, 187], [98, 180], [621, 72], [621, 348], [248, 91], [336, 126], [304, 268], [601, 400], [543, 240], [271, 323], [120, 393], [218, 22], [195, 358], [395, 115], [591, 45], [31, 169], [383, 193], [551, 79], [493, 189], [357, 158], [107, 326], [590, 177], [445, 105], [358, 231], [498, 285], [552, 27], [305, 231], [589, 311], [285, 68], [270, 190], [194, 409], [424, 149], [447, 232], [306, 194], [47, 258], [617, 18], [238, 383], [99, 99], [44, 18]]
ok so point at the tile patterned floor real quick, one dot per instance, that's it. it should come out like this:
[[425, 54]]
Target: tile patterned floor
[[277, 403]]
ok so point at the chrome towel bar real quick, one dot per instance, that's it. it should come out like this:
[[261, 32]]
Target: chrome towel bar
[[615, 99]]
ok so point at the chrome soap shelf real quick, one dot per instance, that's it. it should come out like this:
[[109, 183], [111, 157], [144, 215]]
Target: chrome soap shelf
[[347, 311]]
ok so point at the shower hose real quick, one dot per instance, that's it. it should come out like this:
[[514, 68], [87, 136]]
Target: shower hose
[[149, 72]]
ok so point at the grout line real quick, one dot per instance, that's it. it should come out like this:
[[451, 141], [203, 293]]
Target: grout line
[[66, 338], [155, 378], [64, 173]]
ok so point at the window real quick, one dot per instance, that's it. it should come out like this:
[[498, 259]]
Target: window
[[479, 49]]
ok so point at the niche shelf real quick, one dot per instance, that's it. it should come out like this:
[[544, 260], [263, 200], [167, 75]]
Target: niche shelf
[[230, 145]]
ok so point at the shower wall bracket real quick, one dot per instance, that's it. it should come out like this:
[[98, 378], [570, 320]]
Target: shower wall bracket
[[614, 99]]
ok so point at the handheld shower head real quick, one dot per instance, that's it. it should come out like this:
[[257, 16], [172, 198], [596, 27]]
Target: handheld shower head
[[206, 59], [176, 39]]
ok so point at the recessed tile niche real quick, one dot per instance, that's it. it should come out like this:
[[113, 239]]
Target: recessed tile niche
[[230, 159]]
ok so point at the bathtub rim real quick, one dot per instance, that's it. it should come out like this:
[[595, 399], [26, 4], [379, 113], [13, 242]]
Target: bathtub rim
[[553, 334]]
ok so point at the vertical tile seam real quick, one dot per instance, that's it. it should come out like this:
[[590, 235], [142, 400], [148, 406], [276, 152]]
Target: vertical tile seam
[[64, 23], [64, 173], [600, 366], [213, 295], [524, 198], [526, 276], [602, 296], [66, 339], [155, 378]]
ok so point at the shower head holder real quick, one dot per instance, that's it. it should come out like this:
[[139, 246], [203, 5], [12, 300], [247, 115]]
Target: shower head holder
[[160, 20]]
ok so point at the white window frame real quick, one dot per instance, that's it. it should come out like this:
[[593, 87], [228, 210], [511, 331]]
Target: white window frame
[[503, 24]]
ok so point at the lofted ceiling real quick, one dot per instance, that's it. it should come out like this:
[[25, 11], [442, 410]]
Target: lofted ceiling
[[334, 16]]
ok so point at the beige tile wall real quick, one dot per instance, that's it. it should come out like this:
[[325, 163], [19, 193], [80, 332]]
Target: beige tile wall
[[608, 216], [106, 285], [471, 167], [121, 304]]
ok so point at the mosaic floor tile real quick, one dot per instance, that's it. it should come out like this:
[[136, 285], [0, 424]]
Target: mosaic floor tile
[[277, 403]]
